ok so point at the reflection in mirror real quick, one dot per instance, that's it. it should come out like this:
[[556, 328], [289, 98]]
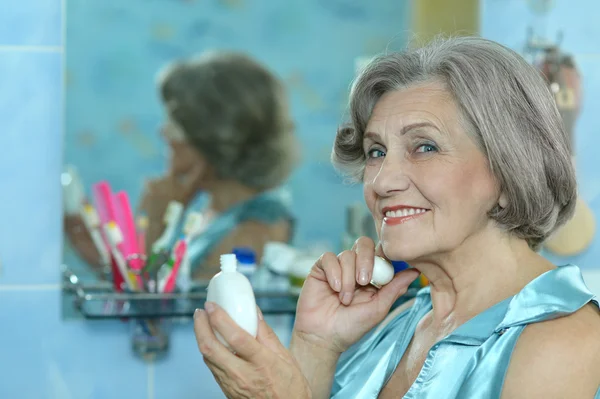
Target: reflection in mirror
[[231, 145], [184, 128]]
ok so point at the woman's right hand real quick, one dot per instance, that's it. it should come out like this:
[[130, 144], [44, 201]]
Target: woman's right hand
[[338, 305]]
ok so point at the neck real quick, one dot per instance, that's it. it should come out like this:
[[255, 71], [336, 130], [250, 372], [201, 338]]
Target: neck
[[484, 270], [227, 193]]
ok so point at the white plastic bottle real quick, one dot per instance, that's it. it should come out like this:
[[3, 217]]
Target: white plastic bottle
[[232, 291]]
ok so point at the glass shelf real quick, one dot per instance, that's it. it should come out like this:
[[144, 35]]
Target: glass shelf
[[100, 301]]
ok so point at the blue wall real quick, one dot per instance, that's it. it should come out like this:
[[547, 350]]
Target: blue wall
[[506, 21], [115, 48], [44, 357]]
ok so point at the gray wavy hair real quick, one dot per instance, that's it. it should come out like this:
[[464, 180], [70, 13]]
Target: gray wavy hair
[[234, 111], [505, 106]]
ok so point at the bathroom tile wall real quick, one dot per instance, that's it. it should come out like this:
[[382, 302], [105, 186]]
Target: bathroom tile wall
[[43, 357]]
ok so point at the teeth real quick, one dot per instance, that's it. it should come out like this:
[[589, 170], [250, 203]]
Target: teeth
[[404, 212]]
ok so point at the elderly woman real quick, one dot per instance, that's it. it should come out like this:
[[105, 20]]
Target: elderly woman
[[466, 171], [230, 138]]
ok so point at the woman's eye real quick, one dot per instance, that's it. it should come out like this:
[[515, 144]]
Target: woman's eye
[[426, 148], [375, 153]]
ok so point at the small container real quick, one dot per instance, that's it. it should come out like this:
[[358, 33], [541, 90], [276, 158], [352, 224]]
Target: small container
[[272, 275], [246, 259], [279, 257], [232, 291]]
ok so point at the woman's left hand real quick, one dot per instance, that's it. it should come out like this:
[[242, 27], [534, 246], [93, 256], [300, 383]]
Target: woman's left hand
[[160, 191], [252, 368]]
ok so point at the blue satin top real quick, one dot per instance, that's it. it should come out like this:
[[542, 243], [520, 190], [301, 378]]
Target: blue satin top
[[472, 361], [268, 207]]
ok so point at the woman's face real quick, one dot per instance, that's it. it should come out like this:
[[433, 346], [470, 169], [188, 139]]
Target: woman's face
[[427, 184], [182, 156]]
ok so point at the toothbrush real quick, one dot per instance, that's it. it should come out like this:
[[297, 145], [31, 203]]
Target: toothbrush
[[169, 283], [103, 199], [152, 267], [73, 193], [195, 224], [92, 223], [165, 270], [115, 238], [142, 223], [130, 246], [171, 220]]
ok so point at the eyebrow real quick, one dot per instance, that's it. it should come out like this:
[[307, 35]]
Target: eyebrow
[[405, 129]]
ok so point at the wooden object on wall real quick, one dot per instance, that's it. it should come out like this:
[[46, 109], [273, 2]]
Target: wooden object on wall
[[448, 17], [565, 83], [576, 235]]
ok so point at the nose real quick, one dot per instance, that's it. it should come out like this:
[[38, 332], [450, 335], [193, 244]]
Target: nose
[[391, 177]]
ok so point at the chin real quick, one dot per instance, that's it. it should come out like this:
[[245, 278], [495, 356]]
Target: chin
[[405, 250]]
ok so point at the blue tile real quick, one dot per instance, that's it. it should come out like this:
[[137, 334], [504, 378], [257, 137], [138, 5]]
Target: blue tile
[[31, 138], [30, 23], [44, 357], [578, 24], [505, 21], [183, 373]]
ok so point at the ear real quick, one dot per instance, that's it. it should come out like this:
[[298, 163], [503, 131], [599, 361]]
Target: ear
[[502, 201]]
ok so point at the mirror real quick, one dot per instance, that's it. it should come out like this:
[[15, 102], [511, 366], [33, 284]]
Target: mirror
[[200, 128]]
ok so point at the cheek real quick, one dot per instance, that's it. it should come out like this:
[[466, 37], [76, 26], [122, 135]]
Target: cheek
[[369, 194], [183, 152], [182, 156], [469, 190]]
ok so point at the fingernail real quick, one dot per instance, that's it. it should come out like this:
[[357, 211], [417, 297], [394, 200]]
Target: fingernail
[[197, 312], [363, 277], [347, 298], [337, 285], [260, 315], [209, 307]]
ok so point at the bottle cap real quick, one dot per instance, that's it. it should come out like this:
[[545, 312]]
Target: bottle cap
[[245, 255]]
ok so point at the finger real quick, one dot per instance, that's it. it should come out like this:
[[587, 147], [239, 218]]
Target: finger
[[243, 344], [267, 336], [212, 350], [389, 293], [365, 254], [347, 261], [330, 266]]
